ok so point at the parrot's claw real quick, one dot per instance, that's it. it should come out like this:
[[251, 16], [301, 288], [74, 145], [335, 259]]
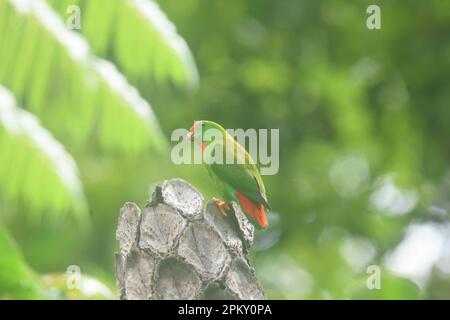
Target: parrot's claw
[[222, 206]]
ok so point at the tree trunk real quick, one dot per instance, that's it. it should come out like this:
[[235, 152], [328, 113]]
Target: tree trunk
[[179, 249]]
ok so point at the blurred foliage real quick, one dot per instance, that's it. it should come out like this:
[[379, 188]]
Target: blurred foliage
[[363, 118], [71, 95], [16, 279], [69, 85], [139, 37], [33, 163]]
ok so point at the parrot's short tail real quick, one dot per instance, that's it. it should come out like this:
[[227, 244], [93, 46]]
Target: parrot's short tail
[[255, 211]]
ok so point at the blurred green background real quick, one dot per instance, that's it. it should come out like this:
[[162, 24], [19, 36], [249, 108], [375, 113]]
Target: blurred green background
[[86, 117]]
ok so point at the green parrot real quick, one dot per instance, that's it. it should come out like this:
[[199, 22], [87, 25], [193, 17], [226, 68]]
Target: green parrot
[[240, 181]]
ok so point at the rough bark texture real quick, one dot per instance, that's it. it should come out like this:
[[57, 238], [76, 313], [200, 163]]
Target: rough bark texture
[[180, 249]]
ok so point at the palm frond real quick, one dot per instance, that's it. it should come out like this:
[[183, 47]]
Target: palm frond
[[142, 39], [34, 166], [51, 70]]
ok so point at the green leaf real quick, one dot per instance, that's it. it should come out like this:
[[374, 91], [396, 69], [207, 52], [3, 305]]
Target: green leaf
[[143, 40], [34, 166], [74, 93]]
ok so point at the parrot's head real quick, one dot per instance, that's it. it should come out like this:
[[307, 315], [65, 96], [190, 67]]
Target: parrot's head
[[198, 129]]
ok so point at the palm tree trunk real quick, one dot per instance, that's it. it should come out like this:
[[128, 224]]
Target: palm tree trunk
[[179, 249]]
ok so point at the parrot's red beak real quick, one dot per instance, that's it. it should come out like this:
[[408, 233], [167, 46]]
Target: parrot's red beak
[[190, 134]]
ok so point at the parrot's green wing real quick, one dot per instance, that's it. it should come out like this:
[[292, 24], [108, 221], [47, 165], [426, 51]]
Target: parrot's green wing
[[241, 176]]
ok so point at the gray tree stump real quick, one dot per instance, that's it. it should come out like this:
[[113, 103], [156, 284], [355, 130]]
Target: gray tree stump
[[180, 249]]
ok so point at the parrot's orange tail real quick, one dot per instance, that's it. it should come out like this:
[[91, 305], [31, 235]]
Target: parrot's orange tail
[[253, 210]]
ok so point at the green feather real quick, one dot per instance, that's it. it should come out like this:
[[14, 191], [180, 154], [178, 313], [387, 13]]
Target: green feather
[[242, 177]]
